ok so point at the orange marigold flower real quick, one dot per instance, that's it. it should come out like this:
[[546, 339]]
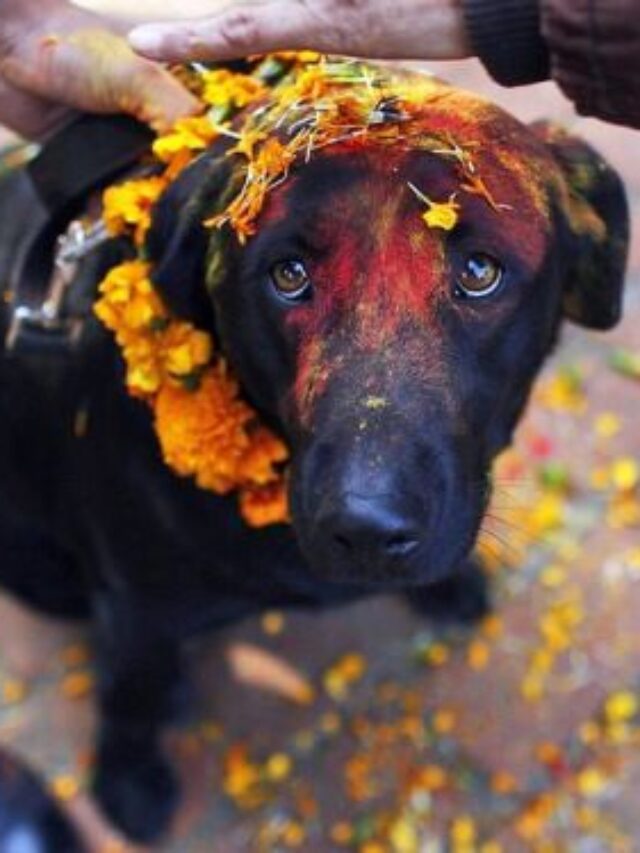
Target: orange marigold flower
[[265, 451], [309, 85], [202, 433], [266, 505], [274, 159], [302, 57]]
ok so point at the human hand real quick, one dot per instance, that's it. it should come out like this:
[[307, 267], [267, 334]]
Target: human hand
[[405, 29], [55, 58]]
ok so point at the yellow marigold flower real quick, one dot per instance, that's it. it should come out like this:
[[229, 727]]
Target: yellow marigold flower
[[591, 782], [127, 207], [143, 307], [553, 576], [143, 361], [144, 377], [443, 215], [564, 392], [128, 306], [463, 831], [185, 349], [119, 282], [265, 505], [403, 836], [249, 138], [225, 89], [65, 787], [437, 654], [607, 425], [625, 473], [547, 514], [278, 767], [532, 688], [194, 133], [620, 707]]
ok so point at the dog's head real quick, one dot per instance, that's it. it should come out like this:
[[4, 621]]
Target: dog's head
[[391, 313]]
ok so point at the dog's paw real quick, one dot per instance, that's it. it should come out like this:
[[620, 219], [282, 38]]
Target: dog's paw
[[138, 794], [462, 599]]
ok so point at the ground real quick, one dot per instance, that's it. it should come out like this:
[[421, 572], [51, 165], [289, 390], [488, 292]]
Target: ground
[[387, 735]]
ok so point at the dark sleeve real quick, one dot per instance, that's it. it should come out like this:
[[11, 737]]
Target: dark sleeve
[[591, 48], [595, 55], [506, 36]]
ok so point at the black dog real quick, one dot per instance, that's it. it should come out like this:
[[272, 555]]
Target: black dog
[[393, 352]]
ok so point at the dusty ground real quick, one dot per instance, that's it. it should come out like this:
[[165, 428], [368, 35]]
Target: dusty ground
[[522, 736]]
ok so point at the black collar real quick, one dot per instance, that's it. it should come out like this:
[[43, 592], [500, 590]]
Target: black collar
[[83, 158]]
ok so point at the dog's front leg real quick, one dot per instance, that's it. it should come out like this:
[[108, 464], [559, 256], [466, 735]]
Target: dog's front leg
[[140, 687]]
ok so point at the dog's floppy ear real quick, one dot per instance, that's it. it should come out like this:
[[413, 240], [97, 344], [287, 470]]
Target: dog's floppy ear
[[178, 243], [593, 200]]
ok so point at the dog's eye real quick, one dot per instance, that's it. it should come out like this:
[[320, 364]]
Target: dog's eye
[[480, 276], [290, 279]]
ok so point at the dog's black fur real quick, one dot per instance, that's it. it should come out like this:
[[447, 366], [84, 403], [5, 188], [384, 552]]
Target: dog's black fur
[[93, 523]]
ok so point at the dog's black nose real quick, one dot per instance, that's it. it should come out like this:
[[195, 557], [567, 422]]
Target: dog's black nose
[[369, 529]]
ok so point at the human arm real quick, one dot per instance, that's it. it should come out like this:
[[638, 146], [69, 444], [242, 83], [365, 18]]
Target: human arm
[[592, 50]]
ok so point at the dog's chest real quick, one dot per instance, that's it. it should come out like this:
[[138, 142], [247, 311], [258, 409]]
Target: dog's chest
[[135, 522]]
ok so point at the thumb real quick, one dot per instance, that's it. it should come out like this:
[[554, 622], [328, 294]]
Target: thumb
[[96, 71], [156, 97]]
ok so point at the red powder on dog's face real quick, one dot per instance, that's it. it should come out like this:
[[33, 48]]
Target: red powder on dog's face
[[384, 271]]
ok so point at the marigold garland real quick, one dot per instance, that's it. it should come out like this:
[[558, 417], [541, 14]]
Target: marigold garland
[[205, 429]]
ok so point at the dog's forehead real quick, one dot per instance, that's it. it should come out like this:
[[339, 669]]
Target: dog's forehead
[[456, 145], [494, 178]]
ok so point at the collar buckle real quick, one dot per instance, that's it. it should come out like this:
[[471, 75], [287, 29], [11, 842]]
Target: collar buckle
[[49, 319]]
